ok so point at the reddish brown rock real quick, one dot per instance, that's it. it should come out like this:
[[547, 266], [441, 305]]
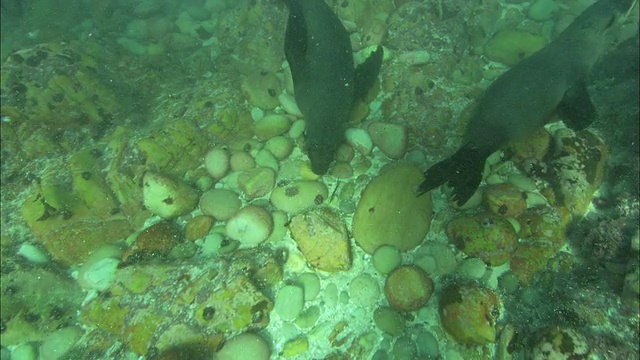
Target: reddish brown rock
[[156, 241], [198, 227], [408, 288]]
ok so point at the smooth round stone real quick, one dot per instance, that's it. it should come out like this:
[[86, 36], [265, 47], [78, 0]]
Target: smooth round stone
[[33, 254], [427, 345], [280, 146], [386, 258], [427, 263], [211, 244], [330, 295], [347, 206], [198, 227], [345, 153], [289, 104], [360, 140], [244, 346], [298, 196], [391, 139], [271, 125], [220, 203], [289, 302], [310, 283], [308, 317], [380, 355], [297, 129], [473, 268], [241, 161], [522, 182], [364, 290], [389, 321], [251, 226], [445, 259], [543, 10], [404, 348], [264, 158], [216, 162], [341, 170], [257, 114]]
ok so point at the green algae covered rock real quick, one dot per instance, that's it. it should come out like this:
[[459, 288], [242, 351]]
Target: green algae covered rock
[[469, 313], [204, 298], [510, 46], [35, 303], [390, 213], [488, 237]]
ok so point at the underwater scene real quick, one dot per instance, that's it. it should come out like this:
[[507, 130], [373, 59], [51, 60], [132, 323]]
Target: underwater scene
[[320, 179]]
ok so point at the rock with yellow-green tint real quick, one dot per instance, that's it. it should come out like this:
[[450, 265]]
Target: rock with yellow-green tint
[[295, 347], [390, 213], [89, 183], [174, 149], [323, 239], [230, 124]]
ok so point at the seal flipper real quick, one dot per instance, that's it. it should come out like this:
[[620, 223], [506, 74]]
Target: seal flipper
[[367, 73], [576, 108], [462, 171]]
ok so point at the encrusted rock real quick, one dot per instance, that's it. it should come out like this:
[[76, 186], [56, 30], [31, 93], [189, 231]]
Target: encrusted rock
[[322, 238], [488, 237], [469, 313]]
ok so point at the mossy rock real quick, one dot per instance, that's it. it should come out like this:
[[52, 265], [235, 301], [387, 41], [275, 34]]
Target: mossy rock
[[510, 46], [390, 213]]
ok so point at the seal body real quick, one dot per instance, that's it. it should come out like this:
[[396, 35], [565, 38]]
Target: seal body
[[522, 100], [326, 83]]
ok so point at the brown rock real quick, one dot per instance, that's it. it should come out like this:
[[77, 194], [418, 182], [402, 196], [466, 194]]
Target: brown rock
[[322, 238], [408, 288], [198, 227], [156, 241]]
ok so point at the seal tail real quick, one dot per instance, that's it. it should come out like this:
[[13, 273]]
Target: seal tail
[[462, 171]]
